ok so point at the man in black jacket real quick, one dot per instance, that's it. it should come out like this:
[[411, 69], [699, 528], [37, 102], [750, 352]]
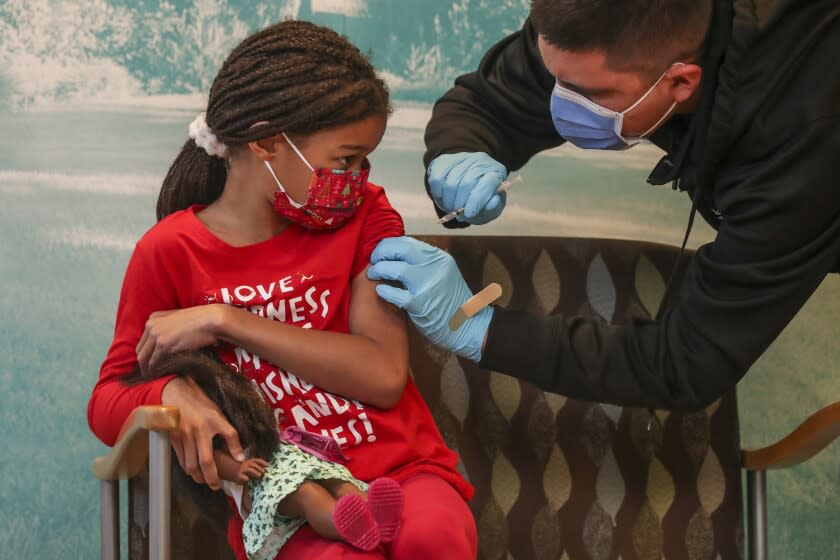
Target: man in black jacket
[[743, 95]]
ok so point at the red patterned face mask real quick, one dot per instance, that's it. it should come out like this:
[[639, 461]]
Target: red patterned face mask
[[333, 196]]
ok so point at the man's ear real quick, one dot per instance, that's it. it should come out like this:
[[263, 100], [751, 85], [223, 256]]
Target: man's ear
[[685, 81]]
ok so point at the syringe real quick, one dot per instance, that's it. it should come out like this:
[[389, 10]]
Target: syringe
[[504, 187]]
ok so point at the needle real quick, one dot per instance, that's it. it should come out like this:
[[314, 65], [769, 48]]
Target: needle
[[504, 187]]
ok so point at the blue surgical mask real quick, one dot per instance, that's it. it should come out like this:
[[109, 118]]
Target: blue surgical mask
[[588, 125]]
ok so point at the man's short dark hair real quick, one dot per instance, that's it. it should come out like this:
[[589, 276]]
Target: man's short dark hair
[[636, 35]]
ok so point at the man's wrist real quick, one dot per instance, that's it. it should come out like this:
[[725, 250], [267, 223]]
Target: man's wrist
[[479, 326]]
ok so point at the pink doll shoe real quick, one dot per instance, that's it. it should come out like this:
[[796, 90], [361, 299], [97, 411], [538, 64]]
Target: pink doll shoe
[[355, 523], [385, 502]]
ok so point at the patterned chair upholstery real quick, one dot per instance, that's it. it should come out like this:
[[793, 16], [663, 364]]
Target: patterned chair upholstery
[[557, 478]]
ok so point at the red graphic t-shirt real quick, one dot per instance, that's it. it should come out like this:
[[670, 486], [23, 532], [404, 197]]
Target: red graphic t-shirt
[[301, 277]]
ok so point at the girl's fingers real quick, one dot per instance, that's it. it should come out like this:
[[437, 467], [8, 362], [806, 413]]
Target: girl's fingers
[[191, 460], [142, 341], [206, 462], [228, 433], [158, 353], [144, 352], [178, 446]]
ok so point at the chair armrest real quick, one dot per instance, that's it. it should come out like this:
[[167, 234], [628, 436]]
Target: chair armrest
[[807, 440], [131, 451]]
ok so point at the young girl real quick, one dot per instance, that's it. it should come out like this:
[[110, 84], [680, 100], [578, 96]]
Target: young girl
[[267, 223]]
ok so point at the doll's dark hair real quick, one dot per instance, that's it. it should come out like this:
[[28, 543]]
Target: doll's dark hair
[[240, 402], [237, 398], [296, 76]]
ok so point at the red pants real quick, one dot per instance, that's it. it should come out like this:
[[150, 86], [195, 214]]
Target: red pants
[[436, 524]]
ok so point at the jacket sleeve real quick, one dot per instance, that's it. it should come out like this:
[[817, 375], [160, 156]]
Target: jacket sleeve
[[144, 291], [502, 109], [779, 237]]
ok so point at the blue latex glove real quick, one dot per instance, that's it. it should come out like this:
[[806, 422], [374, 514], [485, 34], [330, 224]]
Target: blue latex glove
[[434, 290], [468, 181]]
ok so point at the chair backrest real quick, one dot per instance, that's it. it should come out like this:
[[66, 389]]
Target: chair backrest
[[557, 478]]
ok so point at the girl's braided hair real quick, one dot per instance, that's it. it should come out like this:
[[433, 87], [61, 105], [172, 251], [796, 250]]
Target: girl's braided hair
[[298, 77]]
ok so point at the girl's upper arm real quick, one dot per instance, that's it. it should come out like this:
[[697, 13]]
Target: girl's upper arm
[[381, 322]]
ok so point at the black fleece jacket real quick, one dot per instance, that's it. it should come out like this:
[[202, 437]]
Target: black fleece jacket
[[759, 158]]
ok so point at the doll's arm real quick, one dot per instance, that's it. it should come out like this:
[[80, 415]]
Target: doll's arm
[[233, 471]]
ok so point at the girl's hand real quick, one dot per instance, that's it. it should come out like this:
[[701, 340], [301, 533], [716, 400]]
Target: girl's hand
[[169, 332], [201, 420], [251, 468]]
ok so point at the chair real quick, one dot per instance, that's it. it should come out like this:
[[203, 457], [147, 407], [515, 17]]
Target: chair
[[555, 478], [805, 442], [144, 437]]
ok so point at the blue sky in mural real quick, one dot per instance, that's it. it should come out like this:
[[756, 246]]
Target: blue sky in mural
[[109, 49]]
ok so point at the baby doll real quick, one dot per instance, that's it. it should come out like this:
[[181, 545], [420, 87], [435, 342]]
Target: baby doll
[[291, 478]]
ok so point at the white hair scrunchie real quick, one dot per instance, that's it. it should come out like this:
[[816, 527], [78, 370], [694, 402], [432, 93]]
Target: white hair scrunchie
[[204, 138]]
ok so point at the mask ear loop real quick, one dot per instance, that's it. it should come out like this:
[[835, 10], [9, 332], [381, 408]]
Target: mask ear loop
[[292, 201], [300, 155], [646, 95], [660, 121]]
